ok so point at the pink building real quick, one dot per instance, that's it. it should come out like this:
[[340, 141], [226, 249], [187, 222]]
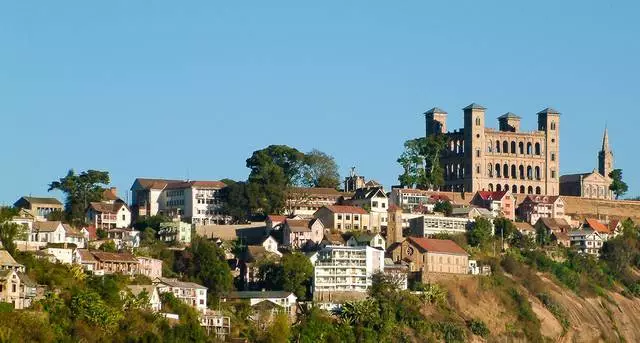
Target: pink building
[[150, 267]]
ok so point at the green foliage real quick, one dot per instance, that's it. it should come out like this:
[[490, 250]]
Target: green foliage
[[88, 306], [481, 232], [478, 327], [450, 332], [278, 331], [148, 237], [420, 162], [555, 309], [204, 262], [319, 170], [618, 186], [443, 207], [109, 246], [236, 200], [292, 273], [543, 237], [152, 222], [9, 232], [59, 216], [80, 190]]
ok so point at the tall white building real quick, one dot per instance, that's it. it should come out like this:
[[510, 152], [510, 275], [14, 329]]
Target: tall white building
[[198, 202], [346, 269]]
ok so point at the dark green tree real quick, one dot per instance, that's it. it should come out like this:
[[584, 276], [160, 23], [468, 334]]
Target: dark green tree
[[59, 216], [319, 170], [443, 207], [481, 232], [80, 190], [618, 186], [420, 162], [10, 232], [153, 222], [504, 227], [236, 200], [297, 272]]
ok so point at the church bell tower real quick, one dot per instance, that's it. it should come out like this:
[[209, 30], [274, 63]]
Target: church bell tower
[[605, 156]]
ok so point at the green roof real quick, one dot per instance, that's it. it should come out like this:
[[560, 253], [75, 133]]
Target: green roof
[[474, 106]]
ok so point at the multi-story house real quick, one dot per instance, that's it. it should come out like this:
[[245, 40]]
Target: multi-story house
[[374, 240], [374, 200], [116, 263], [150, 267], [586, 240], [109, 215], [197, 202], [49, 232], [534, 207], [304, 202], [73, 236], [39, 207], [8, 263], [604, 231], [216, 323], [10, 287], [284, 301], [154, 304], [501, 204], [299, 233], [346, 269], [85, 258], [175, 231], [431, 256], [480, 158], [190, 293], [428, 225], [415, 200], [343, 218]]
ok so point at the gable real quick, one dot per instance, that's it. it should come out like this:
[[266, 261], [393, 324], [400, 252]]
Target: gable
[[594, 177]]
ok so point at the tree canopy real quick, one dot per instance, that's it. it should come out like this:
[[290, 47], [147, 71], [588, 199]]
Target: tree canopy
[[420, 162], [319, 170], [618, 186], [80, 190], [481, 232]]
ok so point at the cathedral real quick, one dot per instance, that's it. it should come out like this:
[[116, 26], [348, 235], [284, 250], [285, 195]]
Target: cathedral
[[596, 183], [482, 158]]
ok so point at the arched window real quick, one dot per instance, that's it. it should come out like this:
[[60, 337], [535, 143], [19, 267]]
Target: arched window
[[497, 146], [505, 147], [489, 147], [553, 125], [521, 148], [498, 187], [490, 170], [505, 171], [537, 173], [514, 173], [506, 187], [537, 148], [477, 121], [530, 190], [514, 189], [513, 147], [453, 146], [538, 191], [491, 187], [497, 170], [529, 173], [522, 189], [529, 148], [521, 173], [478, 169]]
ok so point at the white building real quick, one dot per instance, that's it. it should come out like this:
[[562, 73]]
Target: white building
[[152, 292], [586, 240], [374, 240], [190, 293], [284, 301], [346, 269], [198, 202], [427, 225], [49, 232], [109, 215], [175, 231], [375, 200], [61, 254], [416, 200]]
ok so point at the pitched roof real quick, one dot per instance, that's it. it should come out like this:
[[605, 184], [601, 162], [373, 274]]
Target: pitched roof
[[524, 226], [40, 200], [276, 218], [597, 225], [446, 246], [486, 195], [7, 260], [548, 110], [365, 237], [110, 194], [474, 106], [4, 273], [70, 231], [613, 223], [509, 115], [257, 294], [369, 193], [105, 207], [572, 177], [555, 224], [346, 209], [174, 184], [179, 284], [301, 225], [86, 256], [372, 183], [317, 191], [114, 257], [26, 280], [48, 226], [334, 238], [435, 110], [137, 289], [542, 199]]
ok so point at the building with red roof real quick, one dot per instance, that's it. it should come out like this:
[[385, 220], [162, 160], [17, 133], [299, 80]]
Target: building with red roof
[[344, 218], [500, 203], [428, 255]]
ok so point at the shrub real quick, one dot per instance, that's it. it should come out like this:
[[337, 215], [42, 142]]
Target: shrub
[[478, 327]]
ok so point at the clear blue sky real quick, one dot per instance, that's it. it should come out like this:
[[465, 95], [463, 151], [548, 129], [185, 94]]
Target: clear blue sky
[[190, 89]]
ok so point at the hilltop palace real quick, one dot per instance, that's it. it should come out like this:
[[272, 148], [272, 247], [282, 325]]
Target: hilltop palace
[[482, 158]]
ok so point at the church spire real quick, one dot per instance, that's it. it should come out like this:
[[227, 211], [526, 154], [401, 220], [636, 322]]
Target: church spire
[[605, 140]]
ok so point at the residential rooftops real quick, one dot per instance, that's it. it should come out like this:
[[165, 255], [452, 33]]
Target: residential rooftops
[[257, 294], [346, 209], [178, 284], [446, 246], [38, 200]]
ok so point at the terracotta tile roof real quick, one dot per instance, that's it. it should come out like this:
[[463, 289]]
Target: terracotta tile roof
[[393, 208], [93, 232], [177, 283], [446, 246], [86, 256], [523, 226], [276, 218], [301, 225], [346, 209], [542, 199], [613, 223], [597, 225], [110, 194], [176, 184], [105, 207], [334, 238], [555, 224], [114, 257], [486, 195], [49, 226], [154, 183]]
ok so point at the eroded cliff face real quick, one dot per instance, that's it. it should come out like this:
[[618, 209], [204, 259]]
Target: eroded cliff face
[[590, 319]]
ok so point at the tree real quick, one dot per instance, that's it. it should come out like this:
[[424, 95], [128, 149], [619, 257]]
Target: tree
[[543, 237], [59, 216], [481, 232], [80, 190], [288, 159], [10, 232], [504, 227], [421, 162], [150, 222], [297, 272], [236, 200], [319, 170], [443, 207], [618, 186], [109, 246], [148, 237]]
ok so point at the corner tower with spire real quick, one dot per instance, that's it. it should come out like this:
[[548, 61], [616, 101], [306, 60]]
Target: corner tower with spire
[[605, 156]]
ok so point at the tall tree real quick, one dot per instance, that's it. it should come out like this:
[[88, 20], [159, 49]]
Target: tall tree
[[481, 232], [319, 170], [80, 190], [420, 162], [10, 232], [288, 159], [236, 200], [618, 186], [297, 272]]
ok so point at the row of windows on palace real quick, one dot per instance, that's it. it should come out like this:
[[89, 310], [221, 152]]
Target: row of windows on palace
[[454, 172], [180, 202], [199, 193], [457, 147], [514, 189]]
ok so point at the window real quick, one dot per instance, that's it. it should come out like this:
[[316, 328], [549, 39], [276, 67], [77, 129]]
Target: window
[[374, 204], [477, 121], [478, 153], [553, 174], [123, 217], [553, 125], [347, 217], [339, 226], [201, 301], [13, 288], [339, 216], [356, 217], [553, 156], [383, 205]]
